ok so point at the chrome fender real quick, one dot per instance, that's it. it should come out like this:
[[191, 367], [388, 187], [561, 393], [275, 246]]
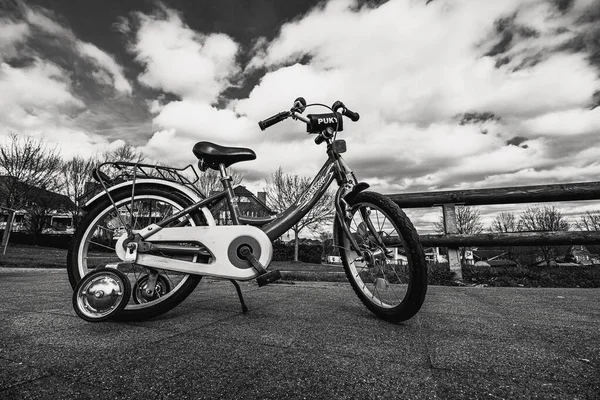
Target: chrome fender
[[186, 191]]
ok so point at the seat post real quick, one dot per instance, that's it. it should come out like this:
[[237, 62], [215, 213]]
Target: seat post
[[226, 181]]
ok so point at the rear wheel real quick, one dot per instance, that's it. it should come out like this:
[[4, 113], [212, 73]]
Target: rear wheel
[[389, 273], [94, 247]]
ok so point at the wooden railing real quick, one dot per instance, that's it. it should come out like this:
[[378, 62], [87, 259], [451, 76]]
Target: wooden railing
[[448, 200]]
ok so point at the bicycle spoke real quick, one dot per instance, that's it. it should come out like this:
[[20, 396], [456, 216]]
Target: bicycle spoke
[[106, 229], [381, 279], [98, 257], [102, 245], [99, 248]]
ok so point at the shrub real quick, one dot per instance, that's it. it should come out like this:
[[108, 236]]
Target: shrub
[[579, 276], [307, 252], [42, 240], [440, 274]]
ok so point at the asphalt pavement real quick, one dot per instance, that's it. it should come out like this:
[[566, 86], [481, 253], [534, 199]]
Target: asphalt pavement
[[301, 341]]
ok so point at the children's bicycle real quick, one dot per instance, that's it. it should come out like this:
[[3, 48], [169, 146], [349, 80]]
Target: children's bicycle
[[149, 236]]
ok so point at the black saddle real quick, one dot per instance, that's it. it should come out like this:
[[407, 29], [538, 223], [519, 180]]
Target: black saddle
[[211, 155]]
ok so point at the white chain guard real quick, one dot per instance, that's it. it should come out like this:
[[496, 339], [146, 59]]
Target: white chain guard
[[217, 239]]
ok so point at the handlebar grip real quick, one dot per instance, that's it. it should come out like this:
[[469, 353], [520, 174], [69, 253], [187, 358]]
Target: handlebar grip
[[264, 124], [319, 139], [345, 111], [351, 114]]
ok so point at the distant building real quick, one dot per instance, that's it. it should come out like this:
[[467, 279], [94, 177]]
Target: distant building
[[433, 255], [250, 205], [55, 206], [585, 255], [334, 260]]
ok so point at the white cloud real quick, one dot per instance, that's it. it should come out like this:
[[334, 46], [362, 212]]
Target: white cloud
[[164, 145], [38, 18], [106, 63], [11, 35], [409, 68], [199, 120], [39, 98], [33, 95], [37, 101], [197, 68], [413, 62], [181, 61], [575, 121]]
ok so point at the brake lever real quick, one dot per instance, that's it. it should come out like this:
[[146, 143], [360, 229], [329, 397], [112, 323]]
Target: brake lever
[[299, 105], [337, 105]]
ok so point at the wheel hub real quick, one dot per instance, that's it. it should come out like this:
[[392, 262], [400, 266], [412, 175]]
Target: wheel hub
[[103, 293], [149, 295], [142, 293]]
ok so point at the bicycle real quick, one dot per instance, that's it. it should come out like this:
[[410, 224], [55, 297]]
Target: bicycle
[[149, 237]]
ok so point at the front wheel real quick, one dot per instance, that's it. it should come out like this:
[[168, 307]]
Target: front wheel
[[389, 272]]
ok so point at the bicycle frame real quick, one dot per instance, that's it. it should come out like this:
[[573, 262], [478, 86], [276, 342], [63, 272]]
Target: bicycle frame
[[334, 168], [185, 244]]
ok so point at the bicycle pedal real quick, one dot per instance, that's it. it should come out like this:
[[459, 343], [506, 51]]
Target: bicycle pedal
[[268, 277]]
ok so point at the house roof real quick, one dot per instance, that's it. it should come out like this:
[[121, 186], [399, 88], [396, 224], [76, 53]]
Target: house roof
[[486, 254], [241, 191], [593, 249], [41, 197]]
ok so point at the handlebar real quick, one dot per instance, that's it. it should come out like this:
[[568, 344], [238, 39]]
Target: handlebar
[[264, 124], [298, 109]]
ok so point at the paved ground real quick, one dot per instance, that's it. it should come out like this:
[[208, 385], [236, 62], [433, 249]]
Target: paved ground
[[313, 341]]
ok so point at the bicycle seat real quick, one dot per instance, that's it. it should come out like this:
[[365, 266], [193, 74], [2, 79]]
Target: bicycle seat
[[212, 154]]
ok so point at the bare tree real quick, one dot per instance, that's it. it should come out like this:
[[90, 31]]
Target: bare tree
[[125, 152], [468, 221], [503, 223], [76, 174], [326, 238], [29, 178], [284, 189], [543, 219], [210, 180], [27, 164], [590, 221]]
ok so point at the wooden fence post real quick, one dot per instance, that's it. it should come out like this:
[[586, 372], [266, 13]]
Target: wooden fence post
[[7, 229], [449, 214]]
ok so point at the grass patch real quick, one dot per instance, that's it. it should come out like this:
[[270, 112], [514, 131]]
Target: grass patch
[[307, 272], [305, 267], [311, 276], [26, 256]]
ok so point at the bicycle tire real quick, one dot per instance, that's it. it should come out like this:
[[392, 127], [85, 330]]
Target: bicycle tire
[[133, 312], [416, 287]]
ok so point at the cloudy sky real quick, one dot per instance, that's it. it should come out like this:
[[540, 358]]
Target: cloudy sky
[[452, 93]]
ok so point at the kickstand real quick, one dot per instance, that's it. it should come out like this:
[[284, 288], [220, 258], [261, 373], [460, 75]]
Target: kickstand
[[239, 292]]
